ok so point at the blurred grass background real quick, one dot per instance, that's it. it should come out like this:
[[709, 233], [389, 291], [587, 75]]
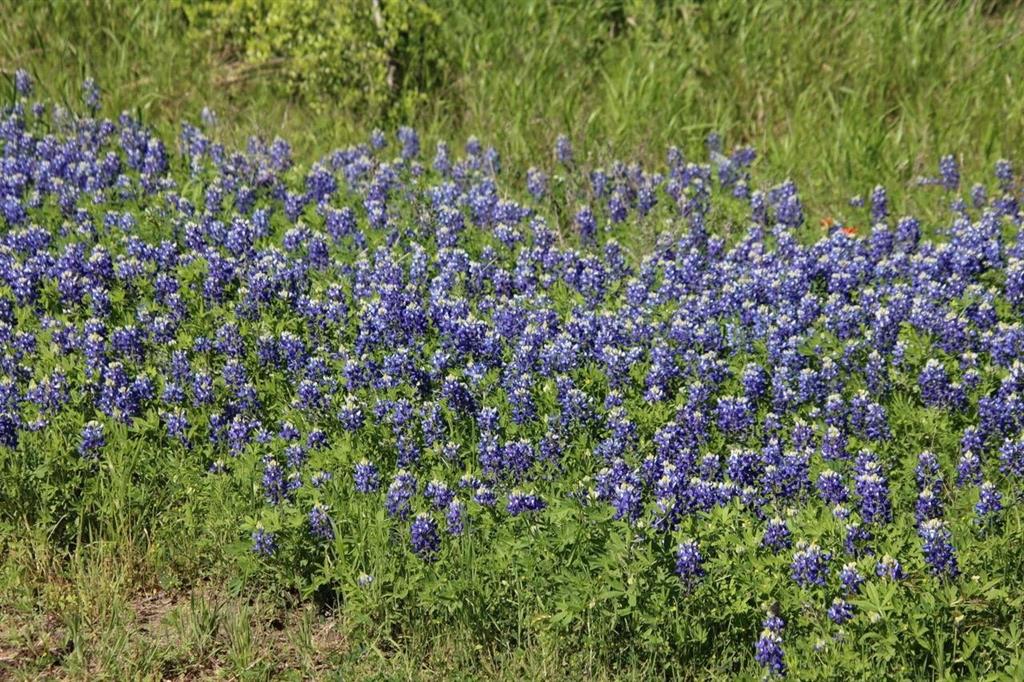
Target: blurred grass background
[[837, 95]]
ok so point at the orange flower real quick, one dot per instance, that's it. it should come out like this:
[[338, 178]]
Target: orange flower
[[827, 222], [850, 231]]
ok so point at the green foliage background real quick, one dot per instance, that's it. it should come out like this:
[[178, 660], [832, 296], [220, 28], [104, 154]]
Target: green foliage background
[[379, 57], [838, 95]]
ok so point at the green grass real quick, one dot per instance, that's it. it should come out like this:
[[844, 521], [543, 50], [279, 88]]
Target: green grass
[[103, 616], [837, 95]]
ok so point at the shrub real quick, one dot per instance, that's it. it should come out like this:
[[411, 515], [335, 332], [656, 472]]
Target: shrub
[[375, 56]]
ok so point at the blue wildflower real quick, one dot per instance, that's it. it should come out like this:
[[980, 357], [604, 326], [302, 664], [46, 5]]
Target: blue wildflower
[[264, 543], [320, 526], [689, 562], [424, 537]]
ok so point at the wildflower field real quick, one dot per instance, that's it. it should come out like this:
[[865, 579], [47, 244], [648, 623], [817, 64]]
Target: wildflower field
[[405, 408]]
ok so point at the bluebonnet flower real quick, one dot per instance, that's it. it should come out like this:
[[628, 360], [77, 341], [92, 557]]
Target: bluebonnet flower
[[773, 621], [295, 455], [1011, 458], [908, 233], [492, 161], [968, 470], [484, 496], [22, 82], [208, 117], [439, 493], [627, 501], [410, 142], [873, 490], [1004, 173], [927, 473], [835, 414], [776, 535], [713, 142], [91, 95], [292, 483], [928, 506], [366, 477], [890, 568], [755, 381], [520, 502], [455, 517], [734, 415], [320, 479], [689, 562], [949, 172], [768, 649], [92, 441], [833, 444], [938, 548], [450, 452], [316, 440], [831, 488], [399, 495], [856, 539], [742, 467], [425, 540], [442, 159], [990, 502], [264, 542], [617, 209], [536, 183], [879, 204], [851, 578], [979, 195], [586, 224], [758, 207], [320, 523], [840, 611], [810, 565], [274, 484], [936, 388], [563, 150], [351, 416], [177, 425], [868, 418]]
